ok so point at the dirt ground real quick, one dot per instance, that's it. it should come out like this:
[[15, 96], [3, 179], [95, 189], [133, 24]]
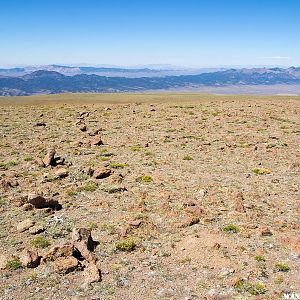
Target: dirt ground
[[199, 198]]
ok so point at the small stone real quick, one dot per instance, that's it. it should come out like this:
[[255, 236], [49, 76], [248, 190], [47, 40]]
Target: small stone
[[82, 128], [101, 173], [265, 231], [239, 202], [61, 173], [88, 171], [84, 114], [96, 141], [40, 124], [78, 122], [24, 225], [91, 273], [59, 161], [65, 265], [135, 223], [27, 207], [189, 221], [49, 158], [202, 193], [30, 258], [36, 229]]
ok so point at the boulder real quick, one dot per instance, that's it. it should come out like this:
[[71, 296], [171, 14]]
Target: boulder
[[83, 242], [30, 258], [65, 265], [64, 250], [40, 202]]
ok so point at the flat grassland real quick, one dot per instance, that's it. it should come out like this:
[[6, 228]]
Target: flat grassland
[[191, 196]]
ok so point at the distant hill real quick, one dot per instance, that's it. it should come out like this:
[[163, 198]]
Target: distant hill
[[50, 82]]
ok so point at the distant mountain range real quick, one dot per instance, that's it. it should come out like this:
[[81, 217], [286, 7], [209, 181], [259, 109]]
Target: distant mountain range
[[110, 71], [50, 82]]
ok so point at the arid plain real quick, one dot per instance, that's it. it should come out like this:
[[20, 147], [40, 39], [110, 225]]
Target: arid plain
[[149, 196]]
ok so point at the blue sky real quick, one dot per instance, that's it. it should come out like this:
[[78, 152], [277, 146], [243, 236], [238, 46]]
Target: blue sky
[[133, 32]]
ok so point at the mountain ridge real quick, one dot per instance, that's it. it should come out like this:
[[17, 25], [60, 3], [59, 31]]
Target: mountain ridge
[[49, 82]]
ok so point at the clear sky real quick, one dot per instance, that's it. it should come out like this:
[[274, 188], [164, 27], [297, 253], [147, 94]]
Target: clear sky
[[132, 32]]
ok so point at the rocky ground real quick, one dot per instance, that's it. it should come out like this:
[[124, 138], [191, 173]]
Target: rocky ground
[[190, 199]]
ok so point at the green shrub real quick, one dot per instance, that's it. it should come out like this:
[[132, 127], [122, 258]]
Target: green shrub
[[261, 171], [13, 264], [89, 187], [146, 179], [259, 258], [128, 244], [40, 242], [187, 157], [117, 165], [282, 267], [231, 228], [136, 148]]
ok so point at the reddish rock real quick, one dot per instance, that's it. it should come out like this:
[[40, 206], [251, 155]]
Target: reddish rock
[[195, 211], [238, 199], [65, 265], [91, 273], [83, 242], [64, 250], [96, 141], [30, 258], [134, 223], [41, 202], [49, 158], [265, 231], [189, 221], [61, 173], [101, 173]]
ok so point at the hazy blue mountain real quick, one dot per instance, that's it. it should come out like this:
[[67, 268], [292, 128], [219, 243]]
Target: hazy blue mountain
[[54, 82]]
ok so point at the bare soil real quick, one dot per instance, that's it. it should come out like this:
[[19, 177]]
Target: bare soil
[[183, 168]]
